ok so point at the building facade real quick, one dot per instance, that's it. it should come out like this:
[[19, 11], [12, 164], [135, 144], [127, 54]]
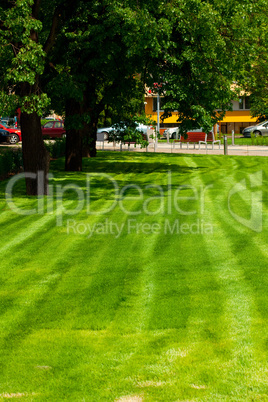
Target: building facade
[[234, 120]]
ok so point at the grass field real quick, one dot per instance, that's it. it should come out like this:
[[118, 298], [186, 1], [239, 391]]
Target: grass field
[[162, 298], [239, 140]]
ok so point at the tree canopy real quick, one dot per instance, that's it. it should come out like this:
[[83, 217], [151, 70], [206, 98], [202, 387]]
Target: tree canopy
[[211, 44], [255, 77], [88, 58]]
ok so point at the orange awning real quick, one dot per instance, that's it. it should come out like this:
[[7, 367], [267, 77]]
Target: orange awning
[[239, 119], [237, 116]]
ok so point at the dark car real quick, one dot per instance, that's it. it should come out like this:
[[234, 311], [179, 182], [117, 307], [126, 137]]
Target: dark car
[[15, 133], [4, 136], [54, 129]]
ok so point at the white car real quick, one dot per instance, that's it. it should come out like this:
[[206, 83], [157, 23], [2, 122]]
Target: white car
[[174, 132], [104, 132], [171, 132]]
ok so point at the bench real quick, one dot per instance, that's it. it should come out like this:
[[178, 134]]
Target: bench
[[145, 137], [211, 139], [194, 137]]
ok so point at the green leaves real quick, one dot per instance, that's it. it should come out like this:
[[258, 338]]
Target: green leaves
[[19, 23], [35, 103], [28, 63], [208, 45], [23, 60]]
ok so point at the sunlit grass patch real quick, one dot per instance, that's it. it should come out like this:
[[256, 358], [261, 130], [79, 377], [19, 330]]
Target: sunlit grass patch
[[162, 310]]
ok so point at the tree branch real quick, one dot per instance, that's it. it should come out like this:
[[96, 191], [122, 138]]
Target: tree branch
[[53, 31], [35, 9]]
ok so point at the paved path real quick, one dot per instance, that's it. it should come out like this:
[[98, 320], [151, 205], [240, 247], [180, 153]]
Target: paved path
[[169, 148]]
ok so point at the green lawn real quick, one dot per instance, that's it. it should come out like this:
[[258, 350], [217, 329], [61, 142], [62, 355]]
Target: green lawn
[[91, 314]]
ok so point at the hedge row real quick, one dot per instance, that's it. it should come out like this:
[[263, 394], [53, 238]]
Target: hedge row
[[11, 159], [10, 162], [56, 147], [258, 140]]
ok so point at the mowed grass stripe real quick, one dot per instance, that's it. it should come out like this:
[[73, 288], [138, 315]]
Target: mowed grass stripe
[[96, 277], [176, 270], [141, 315], [250, 249], [197, 284], [38, 273], [163, 307], [240, 314]]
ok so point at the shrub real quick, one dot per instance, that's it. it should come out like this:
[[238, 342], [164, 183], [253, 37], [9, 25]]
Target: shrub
[[56, 147], [258, 140], [10, 162]]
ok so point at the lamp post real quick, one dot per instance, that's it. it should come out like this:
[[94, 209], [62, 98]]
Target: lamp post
[[158, 120], [158, 112], [225, 144]]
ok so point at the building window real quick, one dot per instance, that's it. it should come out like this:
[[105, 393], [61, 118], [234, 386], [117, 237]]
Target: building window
[[244, 102], [247, 102]]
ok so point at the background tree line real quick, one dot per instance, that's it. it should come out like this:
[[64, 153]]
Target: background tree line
[[88, 59]]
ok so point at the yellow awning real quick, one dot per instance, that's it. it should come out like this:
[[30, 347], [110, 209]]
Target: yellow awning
[[238, 116], [239, 119]]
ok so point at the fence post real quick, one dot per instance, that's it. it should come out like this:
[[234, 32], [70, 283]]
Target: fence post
[[233, 137], [225, 145]]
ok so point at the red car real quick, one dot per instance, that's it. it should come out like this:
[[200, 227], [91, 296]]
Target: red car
[[54, 129], [15, 133]]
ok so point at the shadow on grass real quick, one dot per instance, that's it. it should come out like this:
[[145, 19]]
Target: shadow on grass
[[124, 168]]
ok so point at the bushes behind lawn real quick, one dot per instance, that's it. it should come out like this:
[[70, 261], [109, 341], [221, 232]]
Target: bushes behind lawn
[[56, 147], [255, 140], [11, 159], [10, 162]]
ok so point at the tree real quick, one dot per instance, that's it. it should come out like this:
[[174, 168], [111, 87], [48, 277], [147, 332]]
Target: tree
[[96, 64], [209, 43], [22, 61], [98, 55], [255, 77]]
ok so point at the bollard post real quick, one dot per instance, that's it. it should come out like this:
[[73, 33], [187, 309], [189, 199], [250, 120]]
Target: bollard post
[[233, 137], [225, 145]]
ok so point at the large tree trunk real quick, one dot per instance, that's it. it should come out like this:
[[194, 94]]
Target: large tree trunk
[[35, 156], [89, 139], [92, 108], [73, 154]]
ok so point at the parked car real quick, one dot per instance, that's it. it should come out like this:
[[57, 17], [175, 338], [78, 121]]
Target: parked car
[[9, 121], [105, 132], [4, 135], [259, 129], [15, 133], [54, 129], [173, 131]]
